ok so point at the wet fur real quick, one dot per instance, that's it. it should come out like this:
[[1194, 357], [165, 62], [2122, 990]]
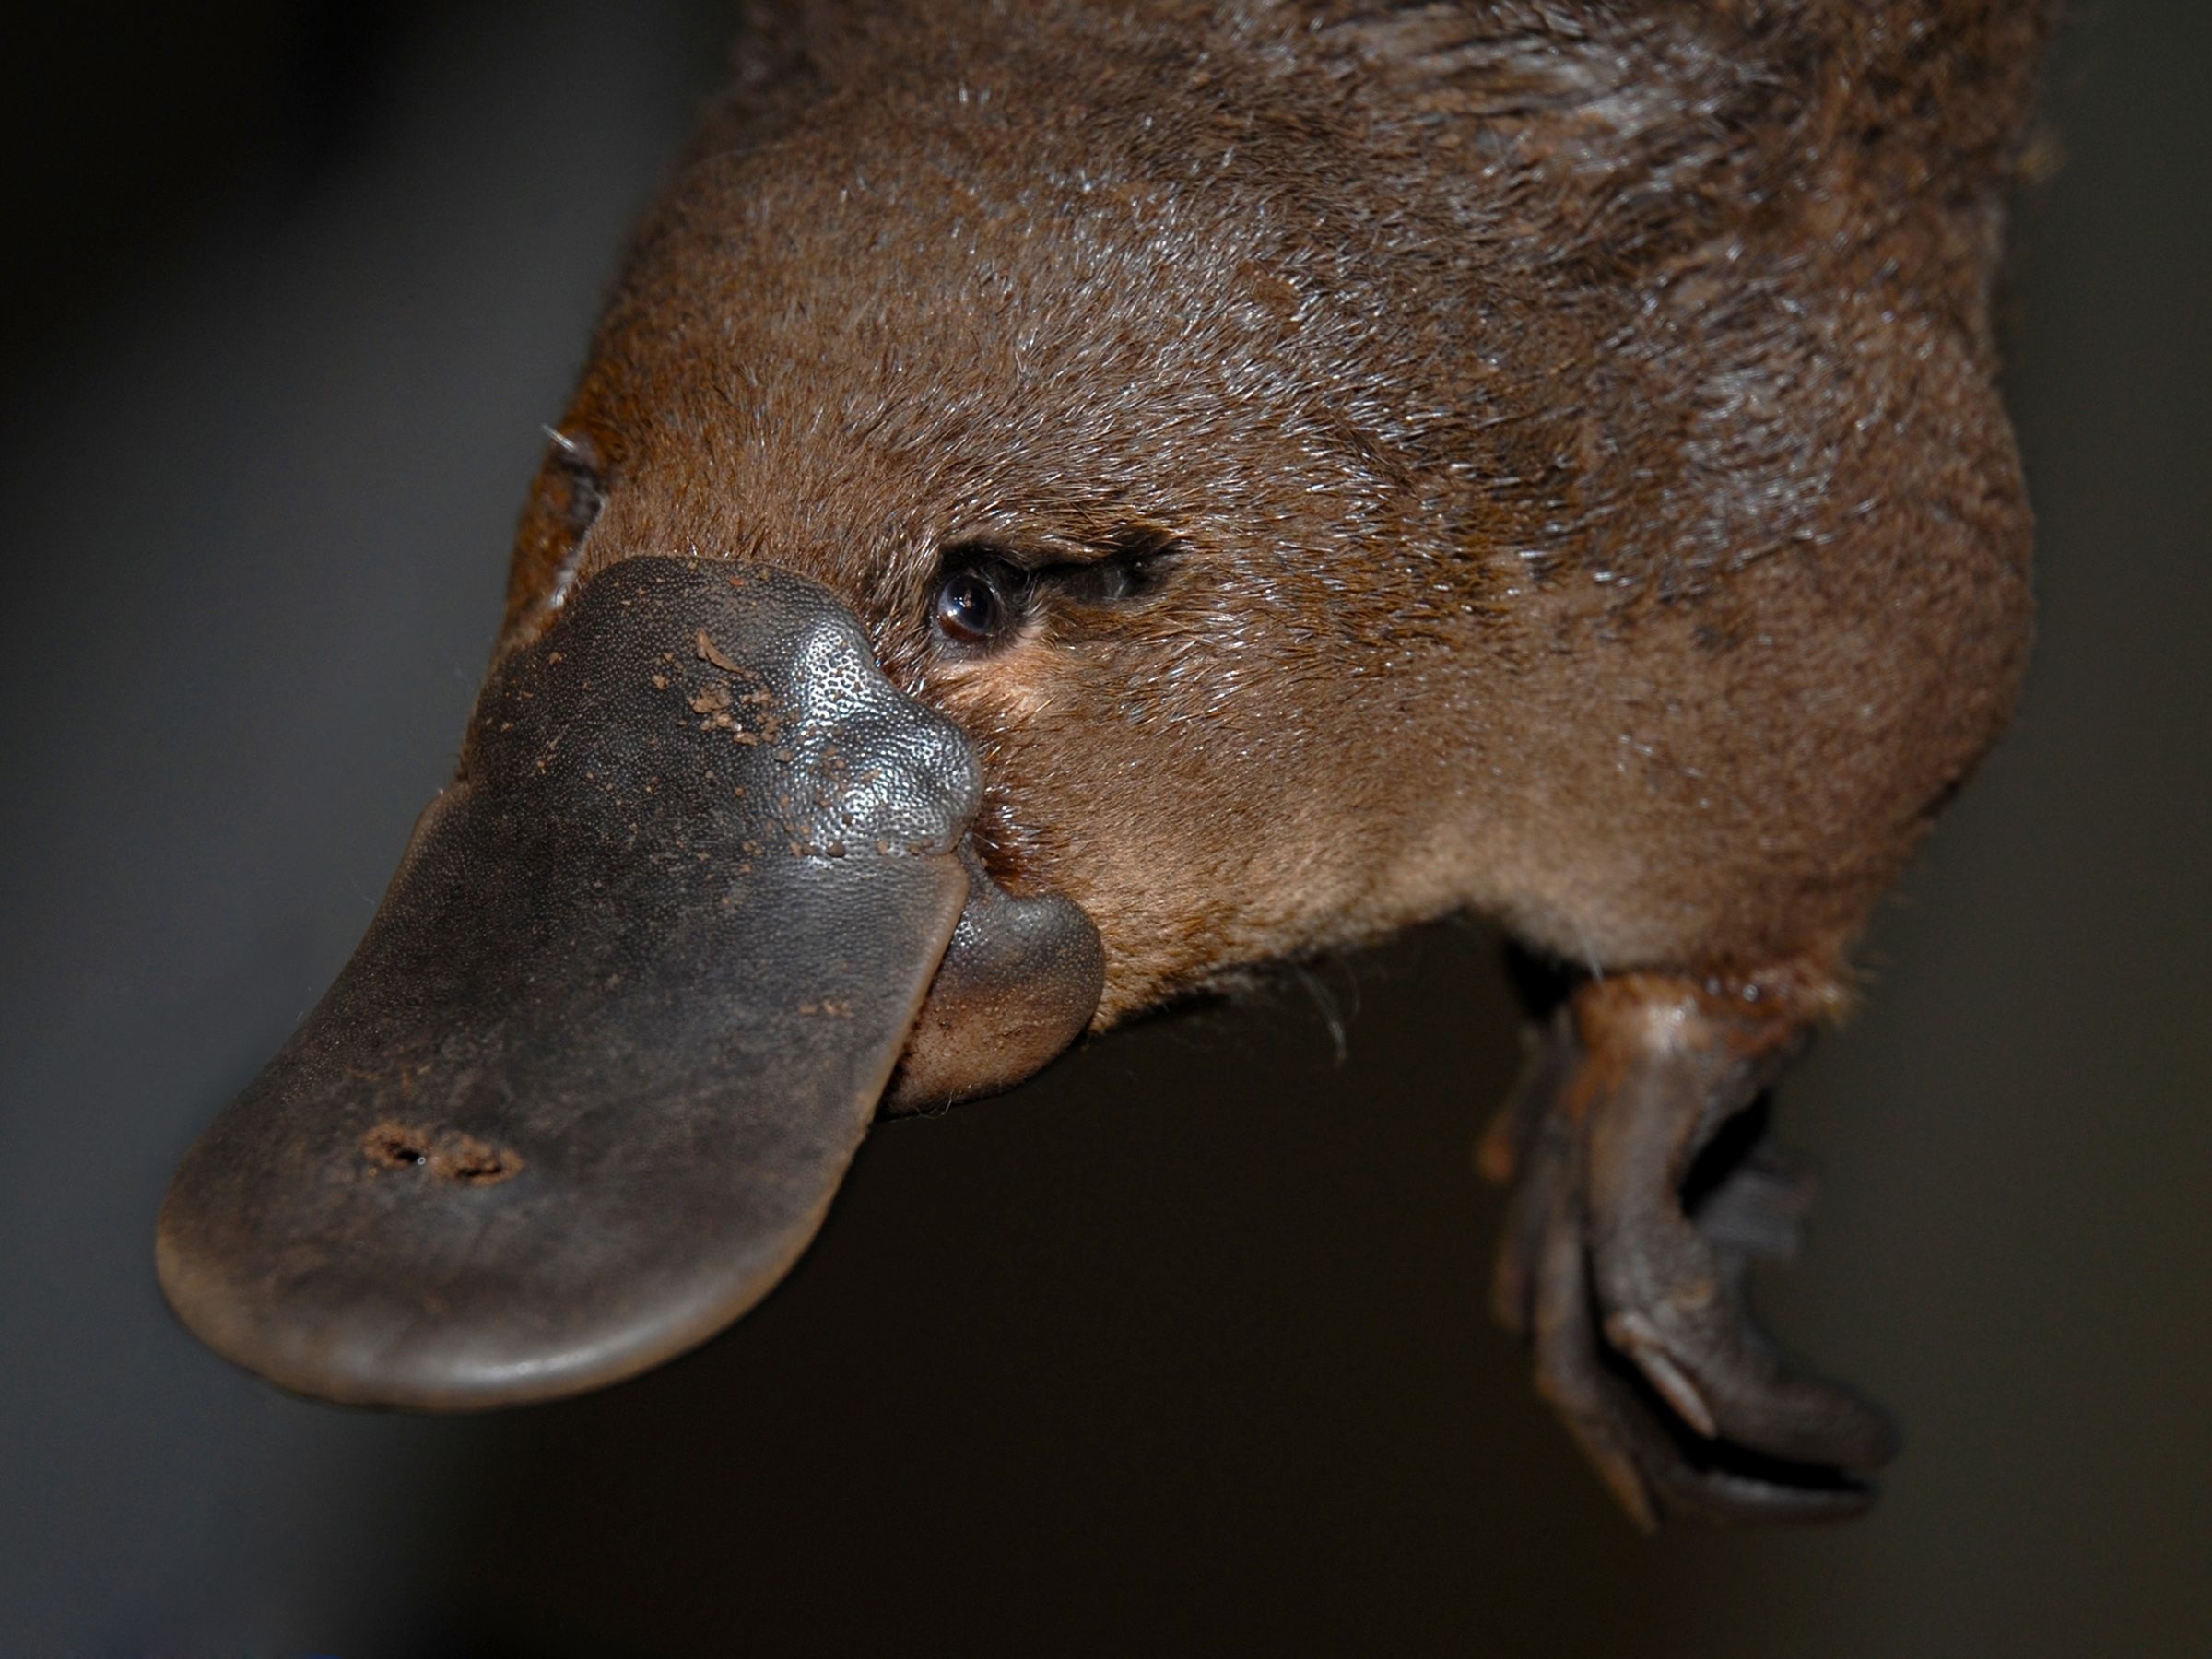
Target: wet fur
[[1567, 430]]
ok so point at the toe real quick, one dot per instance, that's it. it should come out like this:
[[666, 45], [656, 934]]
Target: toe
[[1672, 1303]]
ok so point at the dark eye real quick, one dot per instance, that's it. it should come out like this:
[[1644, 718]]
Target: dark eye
[[973, 608]]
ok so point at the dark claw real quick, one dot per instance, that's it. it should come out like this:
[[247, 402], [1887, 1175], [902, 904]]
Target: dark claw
[[1570, 1374], [1529, 1146], [1754, 1206], [1642, 1190]]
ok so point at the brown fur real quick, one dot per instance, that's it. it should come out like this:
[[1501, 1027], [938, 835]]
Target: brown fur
[[1570, 424]]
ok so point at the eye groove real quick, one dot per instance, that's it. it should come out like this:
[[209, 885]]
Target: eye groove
[[984, 594], [578, 477], [565, 503]]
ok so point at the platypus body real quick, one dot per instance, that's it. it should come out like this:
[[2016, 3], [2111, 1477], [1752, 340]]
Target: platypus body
[[1070, 503]]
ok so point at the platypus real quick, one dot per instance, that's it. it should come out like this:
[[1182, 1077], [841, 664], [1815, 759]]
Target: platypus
[[1068, 504]]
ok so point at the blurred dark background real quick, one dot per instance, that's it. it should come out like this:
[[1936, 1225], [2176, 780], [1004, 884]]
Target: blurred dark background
[[1183, 1346]]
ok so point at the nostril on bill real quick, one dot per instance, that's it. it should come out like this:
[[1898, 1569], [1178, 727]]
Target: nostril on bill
[[445, 1155]]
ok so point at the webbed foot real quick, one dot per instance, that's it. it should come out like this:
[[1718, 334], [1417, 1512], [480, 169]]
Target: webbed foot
[[1643, 1188]]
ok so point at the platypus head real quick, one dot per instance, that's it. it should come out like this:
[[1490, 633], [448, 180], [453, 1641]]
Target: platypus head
[[947, 618]]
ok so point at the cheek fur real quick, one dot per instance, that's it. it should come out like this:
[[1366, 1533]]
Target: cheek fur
[[1007, 703], [988, 695]]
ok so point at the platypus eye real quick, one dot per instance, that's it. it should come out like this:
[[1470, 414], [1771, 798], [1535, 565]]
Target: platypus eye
[[973, 606]]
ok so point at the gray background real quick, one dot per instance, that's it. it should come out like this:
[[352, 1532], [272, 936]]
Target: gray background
[[1181, 1345]]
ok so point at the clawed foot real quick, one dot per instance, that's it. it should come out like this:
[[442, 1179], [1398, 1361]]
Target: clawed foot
[[1642, 1190]]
